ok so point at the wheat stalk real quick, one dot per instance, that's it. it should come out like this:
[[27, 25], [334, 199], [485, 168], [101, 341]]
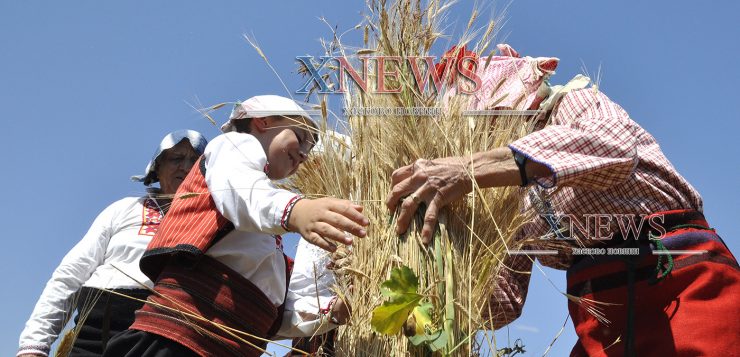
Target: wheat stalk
[[476, 233]]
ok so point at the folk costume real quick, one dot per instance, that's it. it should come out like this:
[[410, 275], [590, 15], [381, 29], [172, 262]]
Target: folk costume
[[307, 318], [217, 262], [670, 290], [106, 259]]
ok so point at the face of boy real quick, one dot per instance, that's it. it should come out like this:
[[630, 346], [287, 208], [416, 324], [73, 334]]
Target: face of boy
[[286, 142]]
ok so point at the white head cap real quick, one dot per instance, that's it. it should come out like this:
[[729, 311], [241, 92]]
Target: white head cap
[[196, 139], [264, 106]]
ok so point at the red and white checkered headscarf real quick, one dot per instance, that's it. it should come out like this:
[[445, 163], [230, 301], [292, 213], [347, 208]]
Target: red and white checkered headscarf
[[510, 81]]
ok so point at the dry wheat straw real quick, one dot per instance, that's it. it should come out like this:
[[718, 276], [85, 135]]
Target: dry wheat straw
[[477, 232]]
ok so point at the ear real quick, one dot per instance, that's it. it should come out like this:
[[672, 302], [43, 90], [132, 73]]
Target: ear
[[260, 124]]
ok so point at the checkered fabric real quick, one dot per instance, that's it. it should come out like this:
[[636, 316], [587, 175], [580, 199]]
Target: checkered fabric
[[603, 163], [508, 81]]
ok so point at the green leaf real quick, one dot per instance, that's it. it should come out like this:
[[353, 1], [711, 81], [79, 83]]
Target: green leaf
[[423, 318], [403, 281], [435, 340], [400, 290], [426, 333], [389, 317]]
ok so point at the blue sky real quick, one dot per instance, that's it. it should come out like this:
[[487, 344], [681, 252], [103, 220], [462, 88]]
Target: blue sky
[[87, 89]]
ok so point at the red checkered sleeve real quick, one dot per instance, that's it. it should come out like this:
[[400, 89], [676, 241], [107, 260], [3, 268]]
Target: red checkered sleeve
[[602, 163], [590, 143], [511, 286]]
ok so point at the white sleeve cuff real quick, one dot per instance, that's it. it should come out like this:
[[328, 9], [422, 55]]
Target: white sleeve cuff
[[35, 349]]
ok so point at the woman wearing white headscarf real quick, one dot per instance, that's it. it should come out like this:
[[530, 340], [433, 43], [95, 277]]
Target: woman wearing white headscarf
[[107, 259]]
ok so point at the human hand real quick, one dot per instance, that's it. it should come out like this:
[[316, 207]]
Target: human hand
[[340, 311], [435, 182], [323, 220]]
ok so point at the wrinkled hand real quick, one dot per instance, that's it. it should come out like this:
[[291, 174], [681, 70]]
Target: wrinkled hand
[[435, 182], [323, 221]]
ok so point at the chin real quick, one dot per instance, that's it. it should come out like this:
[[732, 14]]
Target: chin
[[281, 172], [277, 176]]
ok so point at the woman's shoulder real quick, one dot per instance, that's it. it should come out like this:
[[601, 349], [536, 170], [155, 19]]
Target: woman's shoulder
[[232, 139], [126, 203]]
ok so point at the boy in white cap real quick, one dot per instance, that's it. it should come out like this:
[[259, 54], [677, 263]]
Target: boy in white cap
[[217, 261]]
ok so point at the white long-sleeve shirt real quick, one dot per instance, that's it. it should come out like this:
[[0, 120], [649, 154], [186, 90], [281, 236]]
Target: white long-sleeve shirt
[[309, 293], [243, 194], [118, 236]]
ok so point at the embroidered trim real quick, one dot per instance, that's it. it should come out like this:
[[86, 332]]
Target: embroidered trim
[[288, 210], [327, 309], [42, 349], [151, 216], [279, 242]]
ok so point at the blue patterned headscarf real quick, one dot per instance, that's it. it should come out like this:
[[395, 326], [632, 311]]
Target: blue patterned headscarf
[[196, 139]]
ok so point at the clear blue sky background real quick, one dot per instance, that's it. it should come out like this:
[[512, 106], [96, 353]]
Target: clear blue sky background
[[88, 88]]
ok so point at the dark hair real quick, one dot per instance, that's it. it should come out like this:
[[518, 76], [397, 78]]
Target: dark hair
[[242, 125]]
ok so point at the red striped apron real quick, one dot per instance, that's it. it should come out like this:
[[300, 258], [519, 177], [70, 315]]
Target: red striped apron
[[185, 279]]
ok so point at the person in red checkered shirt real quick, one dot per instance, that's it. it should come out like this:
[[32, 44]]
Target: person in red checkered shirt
[[628, 226]]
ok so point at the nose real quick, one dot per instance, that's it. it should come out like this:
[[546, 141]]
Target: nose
[[302, 156], [186, 164]]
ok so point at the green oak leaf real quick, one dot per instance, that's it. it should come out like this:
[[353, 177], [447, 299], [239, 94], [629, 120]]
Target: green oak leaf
[[389, 317], [403, 281], [401, 288]]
